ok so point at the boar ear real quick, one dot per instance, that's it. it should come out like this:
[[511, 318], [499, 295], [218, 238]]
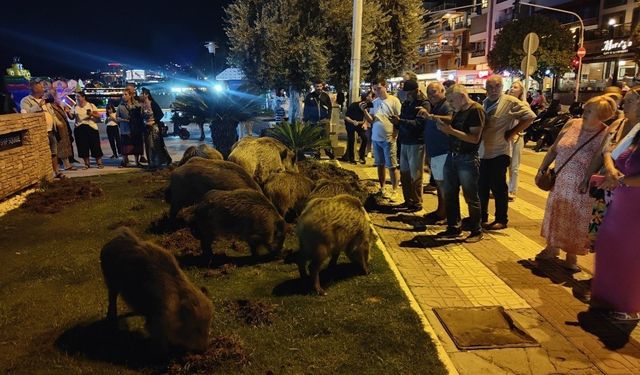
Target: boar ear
[[205, 291]]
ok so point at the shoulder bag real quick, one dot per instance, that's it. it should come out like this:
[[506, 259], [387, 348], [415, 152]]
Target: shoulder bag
[[548, 177]]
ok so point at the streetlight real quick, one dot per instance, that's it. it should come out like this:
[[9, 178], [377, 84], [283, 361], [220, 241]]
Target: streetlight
[[212, 47]]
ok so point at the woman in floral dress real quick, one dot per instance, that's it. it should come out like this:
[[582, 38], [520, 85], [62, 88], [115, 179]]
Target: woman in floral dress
[[568, 211]]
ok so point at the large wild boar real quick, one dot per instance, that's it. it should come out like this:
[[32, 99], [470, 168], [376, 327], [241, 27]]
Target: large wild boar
[[288, 191], [261, 157], [244, 214], [325, 188], [190, 182], [203, 150], [327, 227], [150, 281]]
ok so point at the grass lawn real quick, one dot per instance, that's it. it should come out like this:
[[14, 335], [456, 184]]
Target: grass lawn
[[53, 299]]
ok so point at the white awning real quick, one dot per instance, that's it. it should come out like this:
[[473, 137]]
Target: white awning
[[231, 74]]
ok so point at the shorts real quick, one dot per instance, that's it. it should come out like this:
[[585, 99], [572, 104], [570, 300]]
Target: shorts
[[385, 153], [53, 143], [437, 166]]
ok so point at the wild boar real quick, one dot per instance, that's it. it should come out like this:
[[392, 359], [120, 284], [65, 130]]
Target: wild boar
[[150, 281], [203, 151], [243, 214], [190, 182], [261, 157], [288, 191], [327, 227], [325, 188]]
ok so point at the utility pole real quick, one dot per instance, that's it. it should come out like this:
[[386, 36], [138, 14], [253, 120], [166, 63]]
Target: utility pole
[[356, 49], [581, 39], [212, 47]]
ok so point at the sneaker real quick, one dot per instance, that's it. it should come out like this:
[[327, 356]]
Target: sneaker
[[429, 189], [512, 197], [474, 237], [413, 208], [450, 233], [362, 161], [495, 226], [113, 157], [143, 159], [548, 254]]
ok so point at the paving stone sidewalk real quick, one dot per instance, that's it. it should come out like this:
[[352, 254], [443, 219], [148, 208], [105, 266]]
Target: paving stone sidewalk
[[500, 271]]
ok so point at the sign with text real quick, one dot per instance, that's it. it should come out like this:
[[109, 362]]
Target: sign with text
[[10, 140], [612, 47]]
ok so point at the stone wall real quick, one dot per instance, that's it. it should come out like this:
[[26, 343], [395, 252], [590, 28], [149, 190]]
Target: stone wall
[[24, 165]]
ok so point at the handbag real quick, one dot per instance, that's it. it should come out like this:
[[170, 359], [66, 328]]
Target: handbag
[[548, 178]]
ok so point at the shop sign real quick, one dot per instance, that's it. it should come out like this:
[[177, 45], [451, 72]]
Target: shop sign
[[10, 140], [612, 47]]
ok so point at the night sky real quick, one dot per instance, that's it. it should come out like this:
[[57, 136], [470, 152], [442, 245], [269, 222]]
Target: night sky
[[57, 38]]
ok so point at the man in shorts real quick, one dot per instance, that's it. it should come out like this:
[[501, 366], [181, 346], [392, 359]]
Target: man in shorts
[[384, 136]]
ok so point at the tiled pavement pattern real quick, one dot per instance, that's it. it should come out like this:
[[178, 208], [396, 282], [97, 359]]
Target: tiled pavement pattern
[[500, 271]]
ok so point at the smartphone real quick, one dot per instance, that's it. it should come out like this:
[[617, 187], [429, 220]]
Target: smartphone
[[88, 112]]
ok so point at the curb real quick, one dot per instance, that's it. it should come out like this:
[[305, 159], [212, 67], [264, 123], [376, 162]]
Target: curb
[[426, 326]]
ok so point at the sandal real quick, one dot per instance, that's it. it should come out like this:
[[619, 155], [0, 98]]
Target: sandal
[[84, 167], [100, 166], [623, 316]]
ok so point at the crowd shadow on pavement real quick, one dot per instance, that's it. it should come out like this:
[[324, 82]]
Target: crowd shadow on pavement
[[550, 269], [614, 335], [106, 342], [329, 276]]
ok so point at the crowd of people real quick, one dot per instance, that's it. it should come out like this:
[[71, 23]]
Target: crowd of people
[[477, 148], [133, 128]]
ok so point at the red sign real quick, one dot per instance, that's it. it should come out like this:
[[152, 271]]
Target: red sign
[[581, 52]]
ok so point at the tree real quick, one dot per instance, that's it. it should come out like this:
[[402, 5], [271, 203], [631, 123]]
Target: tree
[[337, 18], [397, 38], [555, 51], [222, 110]]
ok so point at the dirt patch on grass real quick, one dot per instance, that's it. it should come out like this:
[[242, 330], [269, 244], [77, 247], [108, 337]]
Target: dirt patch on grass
[[181, 242], [226, 351], [252, 313], [158, 193], [54, 196], [224, 270], [137, 207], [159, 176], [128, 222], [165, 225]]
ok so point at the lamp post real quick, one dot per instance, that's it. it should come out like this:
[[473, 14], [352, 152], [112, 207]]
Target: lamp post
[[580, 51], [212, 47]]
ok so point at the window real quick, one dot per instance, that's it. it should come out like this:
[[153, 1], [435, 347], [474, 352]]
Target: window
[[614, 3]]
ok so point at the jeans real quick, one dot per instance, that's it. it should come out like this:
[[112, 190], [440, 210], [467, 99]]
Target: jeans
[[351, 140], [516, 151], [493, 177], [411, 171], [462, 170]]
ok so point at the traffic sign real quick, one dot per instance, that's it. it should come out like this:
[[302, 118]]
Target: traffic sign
[[581, 52], [528, 65], [531, 43]]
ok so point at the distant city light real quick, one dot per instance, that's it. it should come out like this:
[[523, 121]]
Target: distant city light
[[612, 21], [547, 72], [218, 87]]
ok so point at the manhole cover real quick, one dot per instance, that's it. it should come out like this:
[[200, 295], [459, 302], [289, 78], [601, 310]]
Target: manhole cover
[[483, 328]]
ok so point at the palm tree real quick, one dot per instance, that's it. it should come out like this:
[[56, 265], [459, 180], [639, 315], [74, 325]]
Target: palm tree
[[222, 110], [300, 137]]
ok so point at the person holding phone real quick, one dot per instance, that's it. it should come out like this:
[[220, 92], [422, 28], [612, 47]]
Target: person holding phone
[[86, 131], [355, 124]]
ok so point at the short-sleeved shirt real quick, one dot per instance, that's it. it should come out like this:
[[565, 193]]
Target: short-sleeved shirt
[[83, 115], [382, 111], [465, 120], [354, 112], [436, 141], [502, 116]]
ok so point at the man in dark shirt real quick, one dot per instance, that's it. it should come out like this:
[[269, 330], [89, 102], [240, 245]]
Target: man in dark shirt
[[411, 139], [317, 111], [462, 166], [437, 143], [355, 123]]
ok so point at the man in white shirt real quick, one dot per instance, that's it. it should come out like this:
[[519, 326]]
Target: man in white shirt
[[35, 103], [506, 117], [384, 136]]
